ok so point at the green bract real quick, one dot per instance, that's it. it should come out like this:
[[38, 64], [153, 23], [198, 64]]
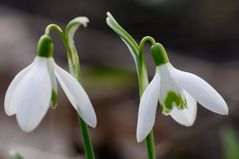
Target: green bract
[[71, 28]]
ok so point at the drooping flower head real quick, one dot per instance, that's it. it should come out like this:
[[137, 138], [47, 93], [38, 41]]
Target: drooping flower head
[[34, 90], [177, 93]]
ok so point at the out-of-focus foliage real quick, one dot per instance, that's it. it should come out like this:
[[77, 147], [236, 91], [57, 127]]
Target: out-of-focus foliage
[[230, 142], [15, 155], [108, 78]]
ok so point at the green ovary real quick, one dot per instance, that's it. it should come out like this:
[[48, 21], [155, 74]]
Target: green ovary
[[171, 100], [45, 47]]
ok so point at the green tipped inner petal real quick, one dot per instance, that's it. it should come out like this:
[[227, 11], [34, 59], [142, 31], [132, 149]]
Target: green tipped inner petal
[[53, 99], [165, 110], [171, 100]]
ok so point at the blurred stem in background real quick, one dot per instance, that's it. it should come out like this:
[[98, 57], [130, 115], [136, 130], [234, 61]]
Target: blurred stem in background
[[137, 53], [230, 142], [74, 67]]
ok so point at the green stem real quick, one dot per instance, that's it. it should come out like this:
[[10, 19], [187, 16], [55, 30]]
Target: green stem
[[62, 35], [84, 129], [143, 82], [57, 28], [149, 141], [143, 41], [137, 52], [150, 145], [86, 139], [75, 71]]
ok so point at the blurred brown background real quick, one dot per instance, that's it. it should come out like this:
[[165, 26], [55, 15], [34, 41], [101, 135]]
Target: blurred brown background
[[201, 36]]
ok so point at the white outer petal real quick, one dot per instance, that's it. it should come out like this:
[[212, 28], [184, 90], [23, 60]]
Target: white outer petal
[[205, 94], [32, 95], [186, 116], [147, 108], [9, 108], [77, 96]]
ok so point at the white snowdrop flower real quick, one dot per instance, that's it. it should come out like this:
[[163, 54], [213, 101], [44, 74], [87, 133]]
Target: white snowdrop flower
[[34, 89], [177, 92]]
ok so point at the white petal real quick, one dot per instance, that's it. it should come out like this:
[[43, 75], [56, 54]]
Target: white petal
[[147, 108], [9, 108], [186, 116], [205, 94], [77, 96], [32, 95]]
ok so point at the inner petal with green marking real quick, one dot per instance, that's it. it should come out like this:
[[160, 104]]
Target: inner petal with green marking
[[173, 99], [171, 95], [53, 99]]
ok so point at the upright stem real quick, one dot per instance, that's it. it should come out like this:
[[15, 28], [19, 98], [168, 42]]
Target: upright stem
[[143, 82], [83, 126], [137, 52], [149, 141], [86, 139], [150, 145], [75, 71]]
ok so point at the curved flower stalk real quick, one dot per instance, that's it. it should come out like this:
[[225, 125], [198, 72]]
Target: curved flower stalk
[[177, 92], [33, 90]]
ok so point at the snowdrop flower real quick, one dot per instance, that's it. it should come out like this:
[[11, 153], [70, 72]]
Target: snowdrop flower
[[34, 89], [177, 92]]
